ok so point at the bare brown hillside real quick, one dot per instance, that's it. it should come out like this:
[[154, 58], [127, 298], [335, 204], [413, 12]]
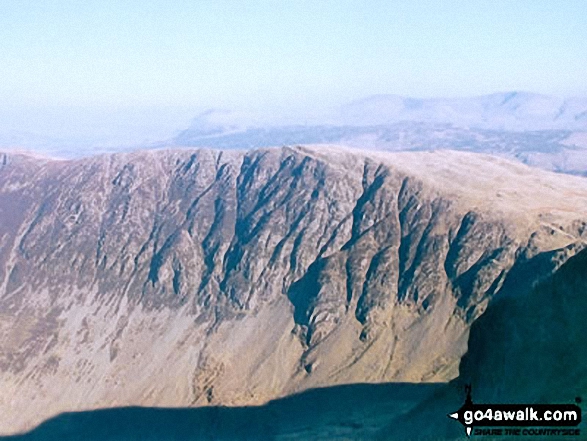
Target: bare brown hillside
[[188, 278]]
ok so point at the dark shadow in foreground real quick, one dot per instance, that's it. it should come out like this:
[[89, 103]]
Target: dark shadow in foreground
[[353, 412]]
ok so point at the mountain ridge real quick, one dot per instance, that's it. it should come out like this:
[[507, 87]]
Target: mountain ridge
[[121, 269], [540, 130]]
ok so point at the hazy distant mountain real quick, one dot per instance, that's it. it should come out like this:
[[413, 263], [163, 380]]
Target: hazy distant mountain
[[189, 278], [538, 130], [512, 111], [542, 131]]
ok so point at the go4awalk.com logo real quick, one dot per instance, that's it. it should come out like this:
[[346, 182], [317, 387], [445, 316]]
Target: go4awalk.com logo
[[540, 420]]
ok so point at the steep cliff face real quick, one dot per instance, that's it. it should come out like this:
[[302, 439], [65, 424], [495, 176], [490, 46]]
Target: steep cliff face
[[184, 278], [528, 347], [531, 348]]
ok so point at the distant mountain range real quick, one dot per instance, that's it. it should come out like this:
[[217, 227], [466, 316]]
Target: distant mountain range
[[539, 130], [512, 111]]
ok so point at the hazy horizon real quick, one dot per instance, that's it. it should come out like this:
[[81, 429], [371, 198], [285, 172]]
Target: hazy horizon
[[63, 130], [230, 54], [121, 73]]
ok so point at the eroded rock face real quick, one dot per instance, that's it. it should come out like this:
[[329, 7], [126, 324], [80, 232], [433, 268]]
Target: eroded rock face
[[185, 278], [531, 348]]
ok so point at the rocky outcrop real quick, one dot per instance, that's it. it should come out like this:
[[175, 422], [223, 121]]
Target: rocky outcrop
[[184, 278], [530, 348], [526, 348]]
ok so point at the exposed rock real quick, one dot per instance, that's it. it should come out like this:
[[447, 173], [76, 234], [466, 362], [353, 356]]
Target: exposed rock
[[184, 278], [531, 348]]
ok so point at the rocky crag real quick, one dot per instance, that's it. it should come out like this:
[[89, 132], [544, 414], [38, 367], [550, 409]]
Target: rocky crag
[[188, 278]]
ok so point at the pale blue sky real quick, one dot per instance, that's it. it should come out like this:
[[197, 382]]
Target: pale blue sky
[[212, 53], [120, 72]]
